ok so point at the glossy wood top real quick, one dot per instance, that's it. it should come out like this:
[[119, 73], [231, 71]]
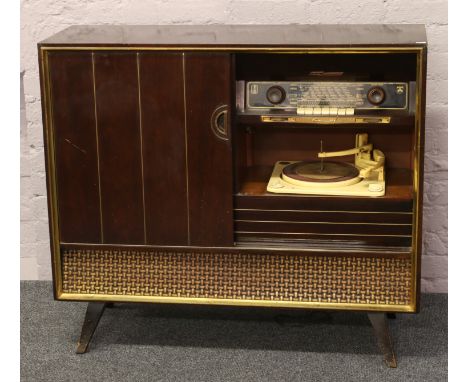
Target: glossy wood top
[[241, 35]]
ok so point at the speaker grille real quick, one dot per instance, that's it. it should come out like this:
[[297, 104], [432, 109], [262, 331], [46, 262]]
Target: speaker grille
[[273, 277]]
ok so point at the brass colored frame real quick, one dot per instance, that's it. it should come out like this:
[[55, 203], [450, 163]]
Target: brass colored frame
[[49, 138], [404, 251], [324, 120], [212, 301]]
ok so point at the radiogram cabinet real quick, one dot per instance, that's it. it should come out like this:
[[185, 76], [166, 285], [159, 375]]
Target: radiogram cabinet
[[156, 174]]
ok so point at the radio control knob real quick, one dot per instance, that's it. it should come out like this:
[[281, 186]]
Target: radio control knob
[[376, 95], [275, 95]]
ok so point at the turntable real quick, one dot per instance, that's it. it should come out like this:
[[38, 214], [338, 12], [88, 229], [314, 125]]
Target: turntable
[[364, 177]]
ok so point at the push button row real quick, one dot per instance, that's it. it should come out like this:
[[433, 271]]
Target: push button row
[[324, 111]]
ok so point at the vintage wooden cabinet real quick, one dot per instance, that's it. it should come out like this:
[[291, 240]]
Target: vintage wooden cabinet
[[157, 175]]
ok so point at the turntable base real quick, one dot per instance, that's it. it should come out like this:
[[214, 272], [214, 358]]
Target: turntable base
[[320, 174], [288, 178]]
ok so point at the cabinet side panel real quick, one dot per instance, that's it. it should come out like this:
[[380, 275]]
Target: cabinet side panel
[[207, 79], [419, 177], [116, 81], [163, 142], [72, 99]]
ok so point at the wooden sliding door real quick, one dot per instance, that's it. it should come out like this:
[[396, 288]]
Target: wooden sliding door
[[142, 147]]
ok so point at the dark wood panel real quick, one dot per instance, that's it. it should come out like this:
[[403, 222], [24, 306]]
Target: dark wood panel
[[326, 228], [116, 79], [396, 66], [277, 144], [208, 86], [72, 97], [321, 203], [312, 216], [338, 242], [318, 203], [164, 154]]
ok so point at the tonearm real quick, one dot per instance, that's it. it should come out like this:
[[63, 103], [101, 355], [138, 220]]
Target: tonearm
[[367, 160]]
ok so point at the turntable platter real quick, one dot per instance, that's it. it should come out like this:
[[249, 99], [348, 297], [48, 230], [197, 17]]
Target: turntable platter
[[316, 174]]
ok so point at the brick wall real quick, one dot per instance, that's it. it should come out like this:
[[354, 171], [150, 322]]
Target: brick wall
[[42, 18]]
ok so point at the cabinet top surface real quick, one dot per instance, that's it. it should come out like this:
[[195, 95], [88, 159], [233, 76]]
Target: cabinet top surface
[[241, 35]]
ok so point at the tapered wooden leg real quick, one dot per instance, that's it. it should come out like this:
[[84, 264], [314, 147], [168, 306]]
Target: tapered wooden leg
[[92, 317], [380, 324]]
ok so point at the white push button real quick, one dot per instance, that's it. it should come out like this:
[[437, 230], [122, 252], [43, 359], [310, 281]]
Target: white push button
[[317, 111], [349, 111]]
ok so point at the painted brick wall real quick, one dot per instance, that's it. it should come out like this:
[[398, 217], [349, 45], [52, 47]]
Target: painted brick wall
[[42, 18]]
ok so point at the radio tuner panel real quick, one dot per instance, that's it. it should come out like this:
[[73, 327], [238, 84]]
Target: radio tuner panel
[[338, 98]]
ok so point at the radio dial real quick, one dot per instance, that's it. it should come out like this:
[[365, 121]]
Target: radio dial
[[275, 95], [376, 95]]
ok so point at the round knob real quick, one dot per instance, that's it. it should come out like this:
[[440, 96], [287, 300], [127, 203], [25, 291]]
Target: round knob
[[376, 95], [275, 95]]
